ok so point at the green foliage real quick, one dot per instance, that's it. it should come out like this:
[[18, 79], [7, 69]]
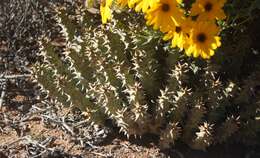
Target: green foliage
[[125, 73]]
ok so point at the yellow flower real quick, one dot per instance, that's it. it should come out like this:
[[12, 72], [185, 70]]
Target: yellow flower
[[160, 15], [179, 34], [105, 11], [208, 9], [132, 3], [141, 5], [122, 3], [179, 1], [203, 40]]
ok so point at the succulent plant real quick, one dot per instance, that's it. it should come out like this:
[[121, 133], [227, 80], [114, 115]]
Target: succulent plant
[[125, 73]]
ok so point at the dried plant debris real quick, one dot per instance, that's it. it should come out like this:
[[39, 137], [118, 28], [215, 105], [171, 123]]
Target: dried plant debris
[[48, 129]]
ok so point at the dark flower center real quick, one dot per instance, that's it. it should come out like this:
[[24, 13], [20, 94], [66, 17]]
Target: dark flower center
[[201, 37], [208, 7], [165, 7], [178, 29]]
